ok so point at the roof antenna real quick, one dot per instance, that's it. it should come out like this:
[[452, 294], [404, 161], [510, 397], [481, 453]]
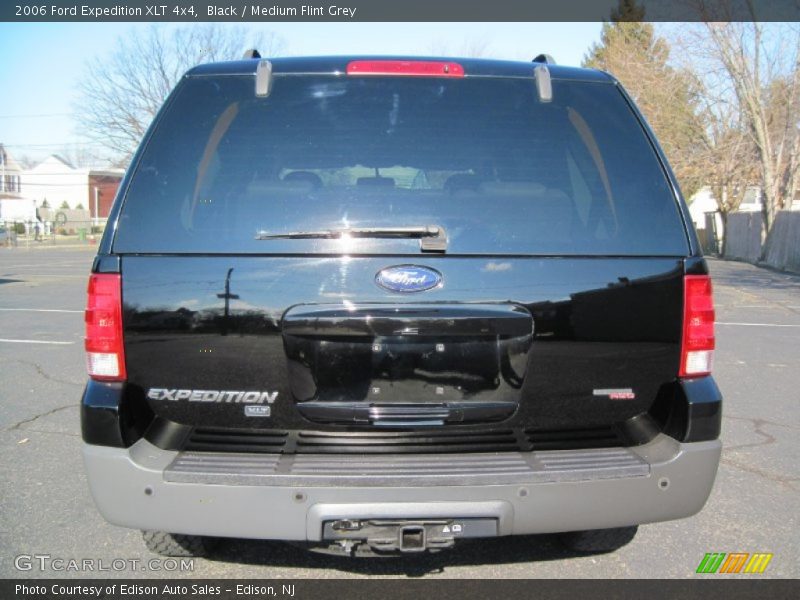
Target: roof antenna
[[545, 59], [263, 78], [251, 53]]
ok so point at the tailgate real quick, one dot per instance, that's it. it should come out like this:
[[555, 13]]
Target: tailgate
[[312, 342]]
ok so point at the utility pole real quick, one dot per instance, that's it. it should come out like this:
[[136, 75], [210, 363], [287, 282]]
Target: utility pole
[[228, 297], [96, 204], [3, 165]]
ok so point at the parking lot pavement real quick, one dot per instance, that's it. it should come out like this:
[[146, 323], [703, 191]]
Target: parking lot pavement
[[46, 507]]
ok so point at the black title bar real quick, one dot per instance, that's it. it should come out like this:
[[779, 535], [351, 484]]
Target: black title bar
[[389, 10], [460, 589]]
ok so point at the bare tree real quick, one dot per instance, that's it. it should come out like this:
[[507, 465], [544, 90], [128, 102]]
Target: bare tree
[[474, 47], [25, 161], [727, 157], [80, 156], [121, 93], [783, 109], [763, 72]]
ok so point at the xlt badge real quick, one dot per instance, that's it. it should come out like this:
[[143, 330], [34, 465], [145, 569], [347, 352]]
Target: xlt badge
[[256, 410], [408, 278]]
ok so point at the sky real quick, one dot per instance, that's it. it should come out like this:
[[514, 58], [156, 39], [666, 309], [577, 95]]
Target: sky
[[43, 62]]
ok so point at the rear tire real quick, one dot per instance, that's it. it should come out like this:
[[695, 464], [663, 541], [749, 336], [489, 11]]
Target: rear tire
[[177, 544], [598, 540]]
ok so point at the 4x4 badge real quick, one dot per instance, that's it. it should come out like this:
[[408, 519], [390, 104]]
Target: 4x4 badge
[[408, 278]]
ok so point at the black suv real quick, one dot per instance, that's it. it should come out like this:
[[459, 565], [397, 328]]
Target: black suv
[[381, 304]]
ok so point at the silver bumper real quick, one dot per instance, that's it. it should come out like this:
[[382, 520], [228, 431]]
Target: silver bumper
[[289, 497]]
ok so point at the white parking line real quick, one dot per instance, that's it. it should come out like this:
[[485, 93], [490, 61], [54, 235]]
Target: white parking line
[[48, 265], [52, 310], [7, 341], [756, 324]]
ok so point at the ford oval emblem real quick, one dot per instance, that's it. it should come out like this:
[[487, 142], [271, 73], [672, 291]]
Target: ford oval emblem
[[408, 278]]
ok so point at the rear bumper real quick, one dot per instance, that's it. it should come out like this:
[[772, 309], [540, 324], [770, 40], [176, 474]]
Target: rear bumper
[[289, 497]]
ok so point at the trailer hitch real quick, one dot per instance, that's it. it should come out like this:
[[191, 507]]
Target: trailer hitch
[[405, 535]]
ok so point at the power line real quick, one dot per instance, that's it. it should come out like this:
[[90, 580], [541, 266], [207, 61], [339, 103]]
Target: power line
[[27, 185], [51, 145], [35, 116], [76, 172]]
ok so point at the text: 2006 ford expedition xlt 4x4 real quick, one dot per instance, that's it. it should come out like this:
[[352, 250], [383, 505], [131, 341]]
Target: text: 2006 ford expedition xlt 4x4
[[380, 305]]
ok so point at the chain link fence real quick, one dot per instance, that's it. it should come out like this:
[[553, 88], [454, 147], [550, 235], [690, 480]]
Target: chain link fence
[[58, 232]]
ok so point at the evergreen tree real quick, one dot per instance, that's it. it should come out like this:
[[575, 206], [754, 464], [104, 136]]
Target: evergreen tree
[[627, 10]]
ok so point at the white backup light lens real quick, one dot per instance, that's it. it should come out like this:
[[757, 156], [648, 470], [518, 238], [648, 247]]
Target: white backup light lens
[[699, 362], [100, 364]]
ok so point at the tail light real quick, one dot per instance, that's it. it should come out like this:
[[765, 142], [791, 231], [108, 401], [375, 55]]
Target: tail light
[[697, 345], [420, 68], [105, 354]]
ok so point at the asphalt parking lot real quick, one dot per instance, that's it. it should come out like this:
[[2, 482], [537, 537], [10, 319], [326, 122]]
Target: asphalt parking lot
[[46, 508]]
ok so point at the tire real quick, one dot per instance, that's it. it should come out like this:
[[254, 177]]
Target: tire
[[177, 544], [598, 540]]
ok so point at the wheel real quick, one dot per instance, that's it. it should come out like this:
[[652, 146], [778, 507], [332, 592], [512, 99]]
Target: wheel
[[598, 540], [177, 544]]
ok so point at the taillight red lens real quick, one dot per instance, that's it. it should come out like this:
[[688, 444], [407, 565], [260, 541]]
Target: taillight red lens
[[420, 68], [105, 354], [697, 345]]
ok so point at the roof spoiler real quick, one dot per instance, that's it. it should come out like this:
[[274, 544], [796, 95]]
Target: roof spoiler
[[545, 59]]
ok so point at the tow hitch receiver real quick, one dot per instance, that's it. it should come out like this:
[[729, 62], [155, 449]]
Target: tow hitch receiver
[[393, 535]]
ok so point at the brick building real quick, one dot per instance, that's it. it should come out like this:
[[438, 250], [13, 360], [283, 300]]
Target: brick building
[[104, 184]]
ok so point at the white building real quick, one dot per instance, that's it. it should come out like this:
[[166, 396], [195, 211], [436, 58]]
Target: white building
[[56, 181], [14, 206], [703, 202], [704, 212]]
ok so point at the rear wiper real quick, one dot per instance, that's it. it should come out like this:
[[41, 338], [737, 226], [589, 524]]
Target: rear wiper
[[432, 238]]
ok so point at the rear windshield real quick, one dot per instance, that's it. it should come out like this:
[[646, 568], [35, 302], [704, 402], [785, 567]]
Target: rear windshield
[[483, 158]]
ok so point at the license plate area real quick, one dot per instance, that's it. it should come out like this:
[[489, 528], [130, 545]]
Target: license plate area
[[406, 535], [407, 364]]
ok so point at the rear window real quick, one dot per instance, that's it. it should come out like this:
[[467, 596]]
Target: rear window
[[483, 158]]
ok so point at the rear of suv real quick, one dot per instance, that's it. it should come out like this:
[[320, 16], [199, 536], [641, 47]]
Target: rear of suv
[[380, 305]]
